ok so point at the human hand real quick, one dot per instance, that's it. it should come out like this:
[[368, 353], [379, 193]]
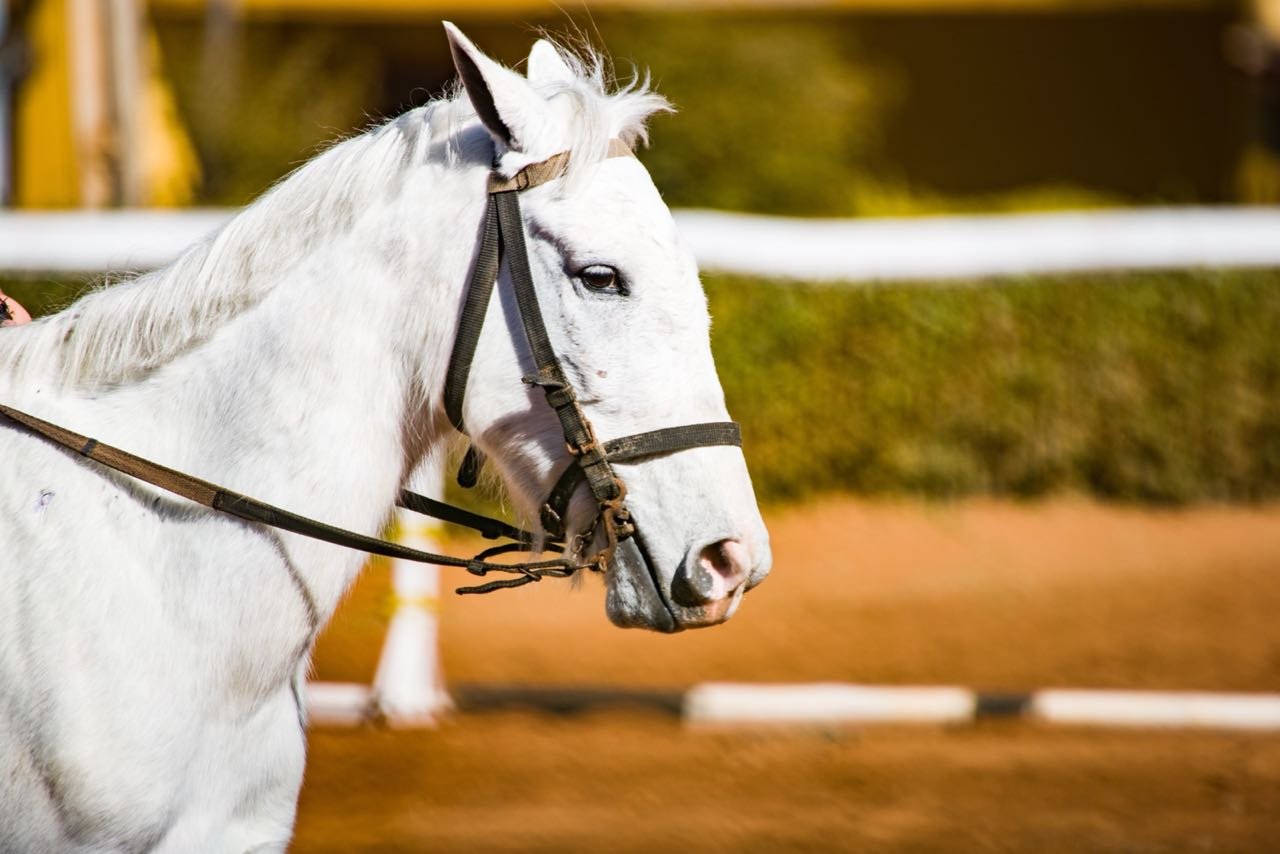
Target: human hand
[[11, 311]]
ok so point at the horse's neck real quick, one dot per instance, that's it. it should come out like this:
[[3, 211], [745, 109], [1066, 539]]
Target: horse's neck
[[313, 399]]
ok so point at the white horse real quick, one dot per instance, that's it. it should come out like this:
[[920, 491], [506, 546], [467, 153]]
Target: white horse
[[152, 652]]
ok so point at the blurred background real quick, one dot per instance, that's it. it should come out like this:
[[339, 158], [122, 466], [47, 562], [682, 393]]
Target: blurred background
[[1010, 482]]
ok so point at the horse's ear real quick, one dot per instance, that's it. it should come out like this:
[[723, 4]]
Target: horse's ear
[[547, 66], [506, 104]]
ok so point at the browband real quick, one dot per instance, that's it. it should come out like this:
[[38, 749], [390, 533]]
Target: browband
[[536, 174]]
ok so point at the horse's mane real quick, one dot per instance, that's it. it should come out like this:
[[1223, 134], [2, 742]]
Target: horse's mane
[[128, 327]]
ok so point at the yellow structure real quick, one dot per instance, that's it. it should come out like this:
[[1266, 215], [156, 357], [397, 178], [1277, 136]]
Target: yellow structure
[[444, 8], [49, 147], [55, 158]]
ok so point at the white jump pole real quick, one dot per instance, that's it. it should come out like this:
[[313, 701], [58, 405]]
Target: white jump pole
[[820, 703], [1175, 709], [409, 689], [834, 703]]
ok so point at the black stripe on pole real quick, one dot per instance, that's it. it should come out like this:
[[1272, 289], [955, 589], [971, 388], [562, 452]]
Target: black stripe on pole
[[1001, 704]]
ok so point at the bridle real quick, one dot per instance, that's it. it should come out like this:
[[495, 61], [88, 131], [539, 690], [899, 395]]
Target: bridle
[[591, 460]]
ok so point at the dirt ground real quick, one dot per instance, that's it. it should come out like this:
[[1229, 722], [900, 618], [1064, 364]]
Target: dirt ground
[[984, 594]]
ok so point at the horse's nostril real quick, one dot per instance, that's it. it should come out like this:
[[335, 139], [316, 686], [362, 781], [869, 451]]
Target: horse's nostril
[[727, 558], [719, 571]]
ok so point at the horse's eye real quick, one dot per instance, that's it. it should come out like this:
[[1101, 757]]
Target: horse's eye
[[601, 277]]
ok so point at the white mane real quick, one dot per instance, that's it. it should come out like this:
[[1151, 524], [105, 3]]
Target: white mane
[[127, 328]]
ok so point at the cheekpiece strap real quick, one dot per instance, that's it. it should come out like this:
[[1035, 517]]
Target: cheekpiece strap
[[485, 272]]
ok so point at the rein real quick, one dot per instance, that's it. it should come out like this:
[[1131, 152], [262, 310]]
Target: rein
[[591, 459]]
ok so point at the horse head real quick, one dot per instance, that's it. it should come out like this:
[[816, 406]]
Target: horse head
[[627, 319]]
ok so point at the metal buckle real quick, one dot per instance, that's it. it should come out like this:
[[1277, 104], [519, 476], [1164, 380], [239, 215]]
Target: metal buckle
[[580, 451]]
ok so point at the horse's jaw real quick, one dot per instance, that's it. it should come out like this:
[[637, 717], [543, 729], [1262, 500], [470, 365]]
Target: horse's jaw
[[633, 600]]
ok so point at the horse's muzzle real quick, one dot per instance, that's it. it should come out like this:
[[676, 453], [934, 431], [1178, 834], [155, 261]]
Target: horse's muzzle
[[704, 591]]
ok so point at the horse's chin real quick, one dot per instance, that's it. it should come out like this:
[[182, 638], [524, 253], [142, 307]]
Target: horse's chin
[[633, 600]]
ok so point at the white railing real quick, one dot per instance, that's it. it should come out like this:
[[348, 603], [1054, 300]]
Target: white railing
[[816, 250]]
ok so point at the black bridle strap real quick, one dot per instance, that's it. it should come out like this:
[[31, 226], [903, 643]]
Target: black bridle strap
[[489, 528], [479, 291], [630, 449], [578, 434], [503, 238]]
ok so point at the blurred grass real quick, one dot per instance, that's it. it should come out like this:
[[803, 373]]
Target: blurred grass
[[1160, 387], [1156, 387]]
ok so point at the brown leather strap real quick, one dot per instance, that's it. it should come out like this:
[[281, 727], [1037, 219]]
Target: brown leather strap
[[191, 488], [485, 273], [553, 167]]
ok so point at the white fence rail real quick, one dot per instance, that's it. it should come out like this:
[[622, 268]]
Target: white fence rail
[[820, 704], [925, 248], [952, 247]]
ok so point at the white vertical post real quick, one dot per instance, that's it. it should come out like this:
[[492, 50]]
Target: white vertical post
[[128, 73], [91, 101], [409, 687]]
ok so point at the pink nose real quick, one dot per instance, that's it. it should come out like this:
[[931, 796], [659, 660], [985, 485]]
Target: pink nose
[[720, 570]]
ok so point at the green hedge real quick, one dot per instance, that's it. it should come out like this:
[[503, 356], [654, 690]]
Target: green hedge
[[1161, 387], [1158, 387]]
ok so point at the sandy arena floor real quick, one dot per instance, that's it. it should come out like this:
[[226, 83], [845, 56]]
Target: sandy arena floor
[[982, 594]]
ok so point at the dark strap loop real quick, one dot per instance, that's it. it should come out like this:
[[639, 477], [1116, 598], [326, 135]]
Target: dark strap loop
[[469, 469]]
